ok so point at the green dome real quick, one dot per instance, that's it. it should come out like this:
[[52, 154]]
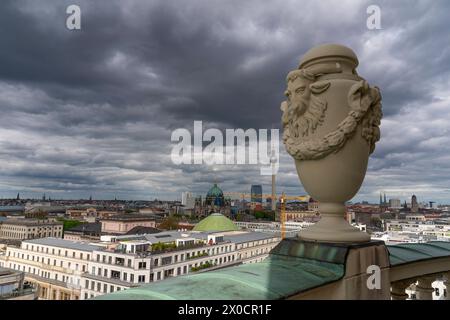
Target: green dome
[[216, 222], [215, 191]]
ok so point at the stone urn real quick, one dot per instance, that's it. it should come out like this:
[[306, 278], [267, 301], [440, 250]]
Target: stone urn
[[331, 121]]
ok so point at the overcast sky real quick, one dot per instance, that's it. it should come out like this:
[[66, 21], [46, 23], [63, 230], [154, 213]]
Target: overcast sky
[[92, 111]]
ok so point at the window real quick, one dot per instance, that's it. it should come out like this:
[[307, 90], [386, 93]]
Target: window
[[125, 276], [98, 286], [86, 284], [111, 289], [142, 265], [129, 263], [166, 260], [142, 278], [131, 277], [105, 288], [92, 285]]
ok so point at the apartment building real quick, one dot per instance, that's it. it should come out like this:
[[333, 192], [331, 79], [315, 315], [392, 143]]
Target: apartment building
[[133, 262], [54, 266], [65, 269]]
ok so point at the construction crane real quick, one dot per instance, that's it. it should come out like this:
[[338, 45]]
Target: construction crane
[[283, 198]]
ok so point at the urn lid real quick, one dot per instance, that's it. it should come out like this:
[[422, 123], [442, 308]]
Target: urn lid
[[329, 53]]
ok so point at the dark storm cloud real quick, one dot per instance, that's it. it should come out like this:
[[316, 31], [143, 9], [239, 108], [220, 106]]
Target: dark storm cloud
[[93, 110]]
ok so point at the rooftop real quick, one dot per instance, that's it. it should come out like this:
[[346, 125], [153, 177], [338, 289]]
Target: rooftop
[[290, 268], [130, 217], [142, 230], [293, 267], [95, 227], [31, 222], [216, 222], [62, 243]]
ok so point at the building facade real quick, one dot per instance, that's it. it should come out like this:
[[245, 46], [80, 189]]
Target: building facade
[[121, 224], [54, 266], [21, 229], [256, 193]]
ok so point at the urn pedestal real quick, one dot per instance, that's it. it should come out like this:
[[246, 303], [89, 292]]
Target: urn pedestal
[[331, 124]]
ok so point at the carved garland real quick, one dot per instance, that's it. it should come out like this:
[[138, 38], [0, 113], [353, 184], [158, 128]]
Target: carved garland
[[365, 107]]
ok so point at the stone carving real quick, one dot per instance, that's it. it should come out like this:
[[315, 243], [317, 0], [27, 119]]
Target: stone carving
[[331, 123], [304, 110]]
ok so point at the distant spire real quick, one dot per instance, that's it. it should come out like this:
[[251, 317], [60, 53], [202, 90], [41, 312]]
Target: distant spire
[[381, 199], [385, 202], [90, 198], [18, 196]]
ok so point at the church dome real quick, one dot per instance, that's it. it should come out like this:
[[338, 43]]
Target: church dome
[[215, 222], [215, 196], [215, 191]]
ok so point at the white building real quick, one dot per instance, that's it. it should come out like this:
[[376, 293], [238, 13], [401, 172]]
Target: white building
[[63, 269], [132, 261], [395, 203], [417, 229], [54, 266], [188, 200]]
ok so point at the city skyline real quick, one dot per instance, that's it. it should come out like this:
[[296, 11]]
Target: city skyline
[[91, 112]]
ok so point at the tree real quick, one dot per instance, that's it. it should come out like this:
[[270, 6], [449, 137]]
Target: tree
[[169, 223]]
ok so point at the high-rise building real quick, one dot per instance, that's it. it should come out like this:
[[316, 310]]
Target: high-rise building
[[395, 203], [414, 204], [188, 200], [256, 193]]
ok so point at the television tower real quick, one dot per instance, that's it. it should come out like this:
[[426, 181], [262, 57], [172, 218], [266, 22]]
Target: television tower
[[273, 161]]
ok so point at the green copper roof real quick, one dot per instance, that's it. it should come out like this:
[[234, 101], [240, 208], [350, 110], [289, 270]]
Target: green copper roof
[[216, 222], [276, 277], [292, 267], [215, 191], [413, 252]]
